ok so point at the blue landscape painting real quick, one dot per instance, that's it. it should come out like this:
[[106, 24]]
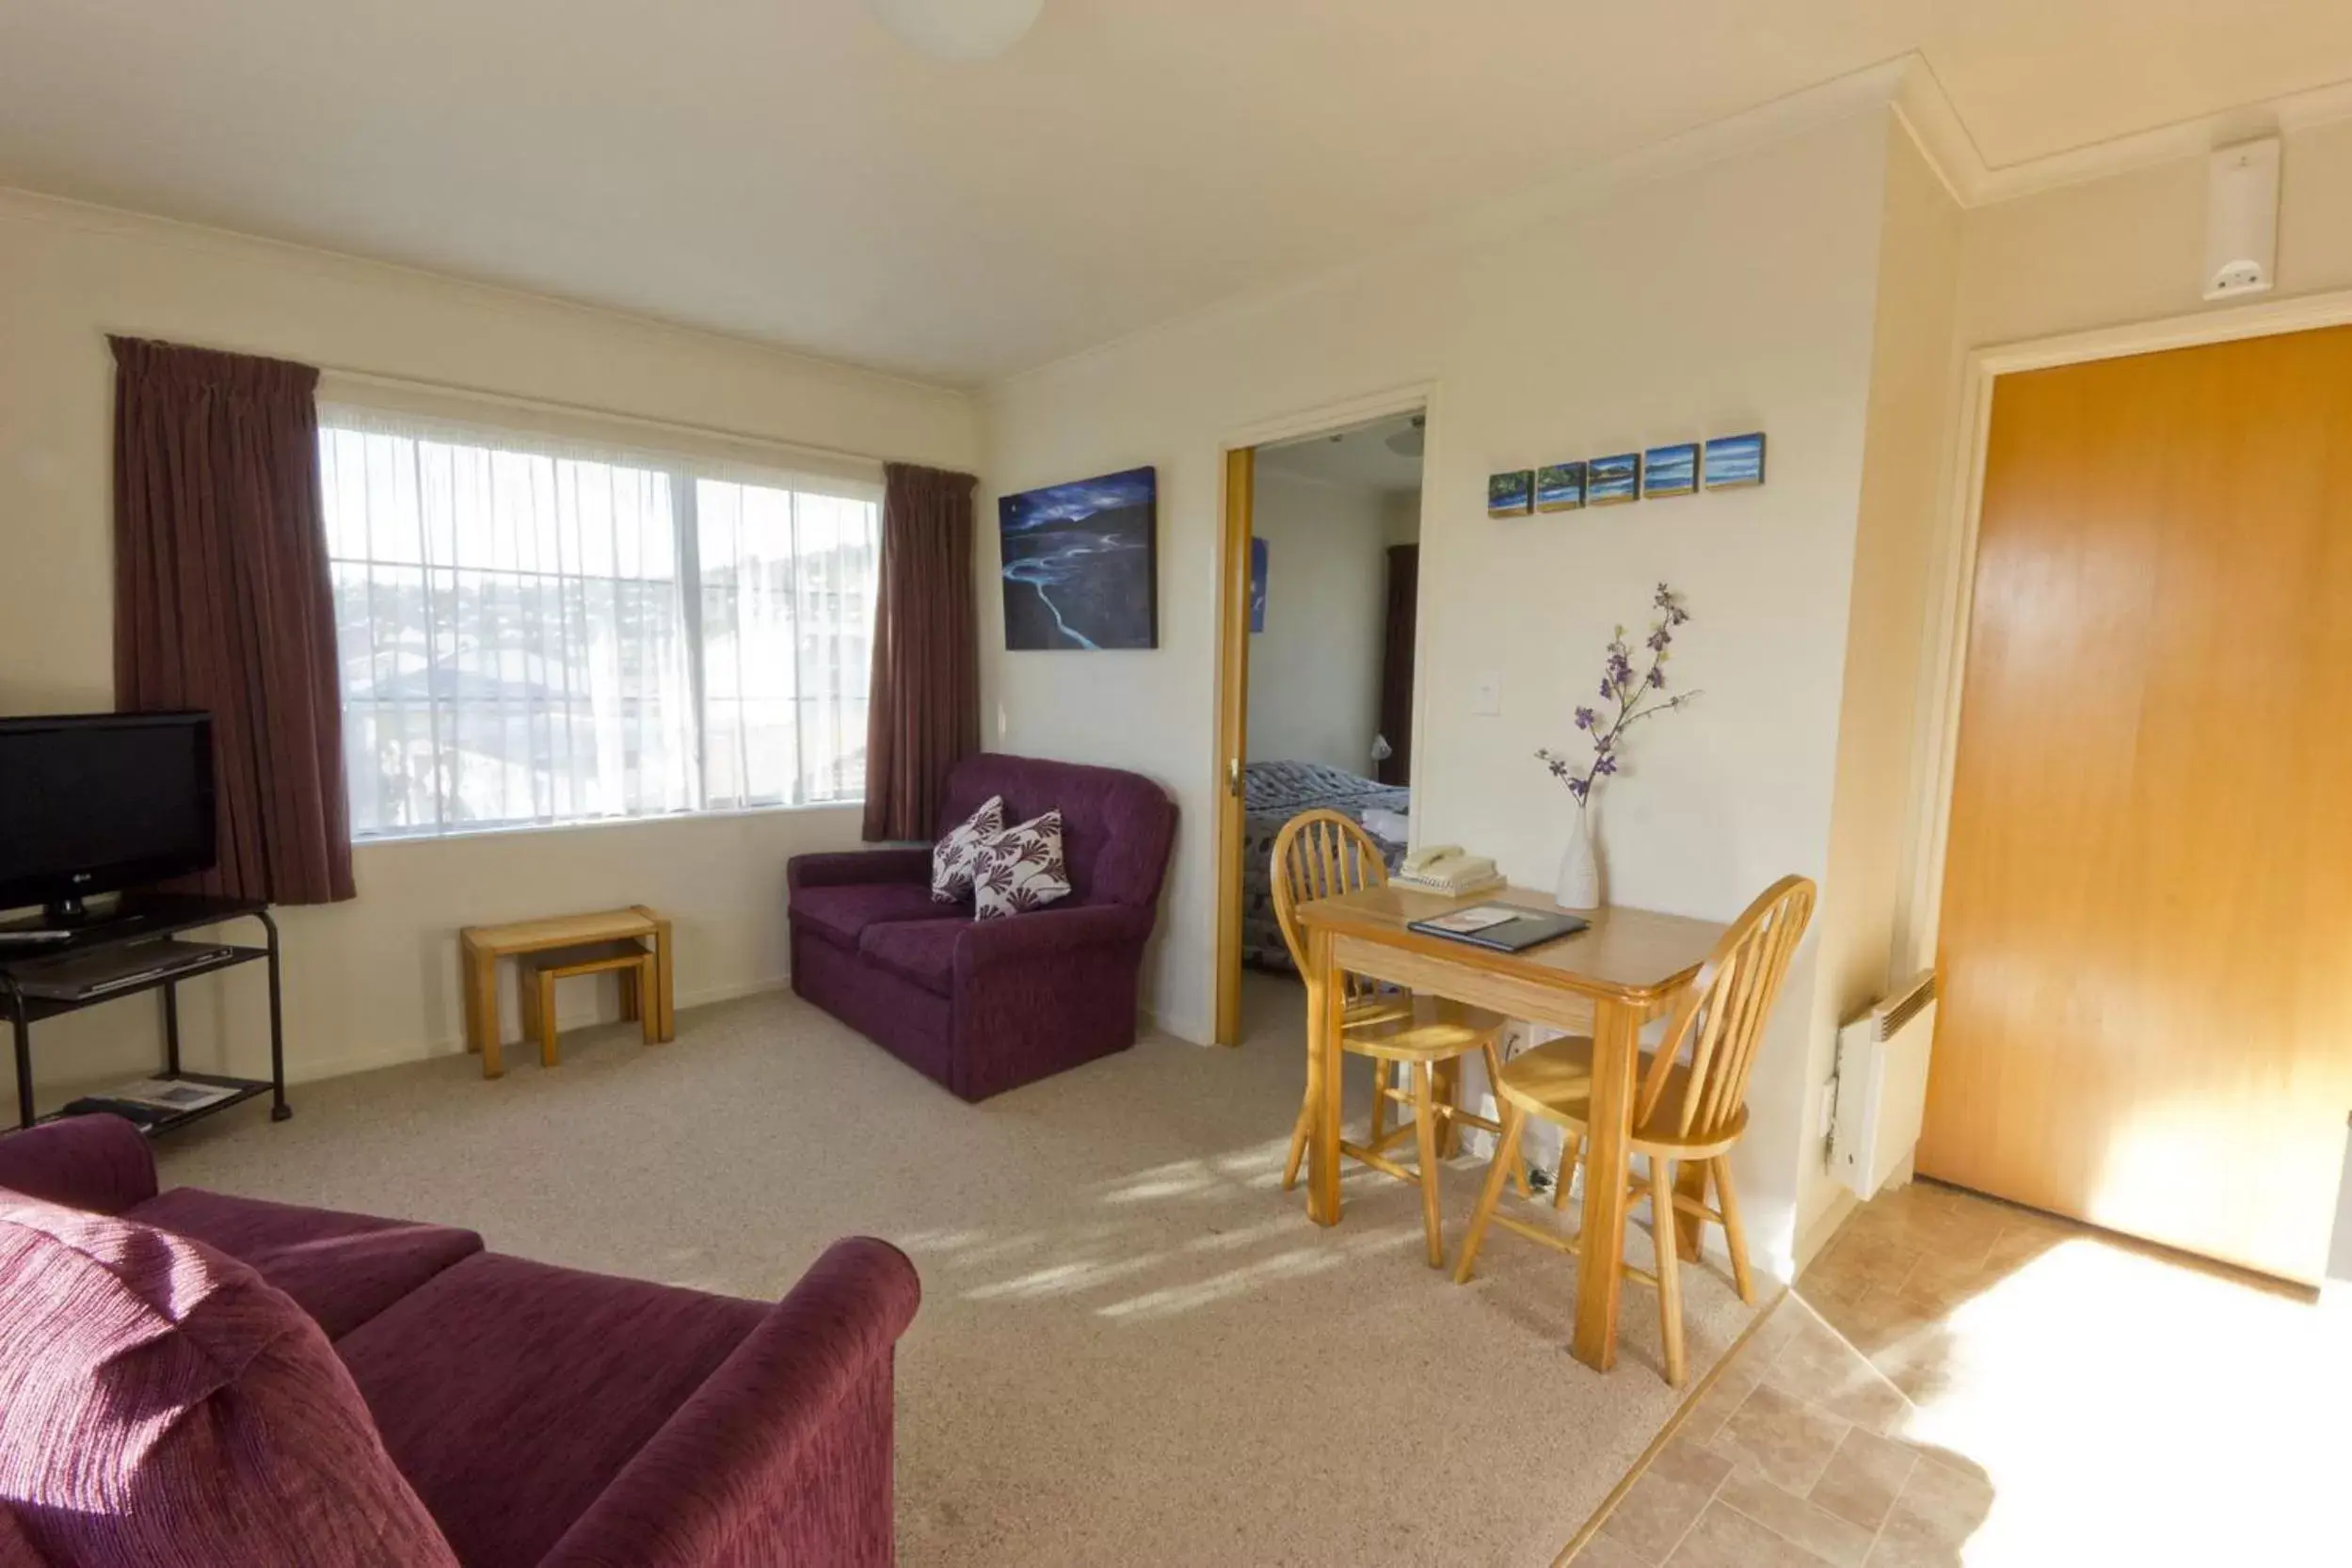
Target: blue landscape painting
[[1613, 481], [1081, 563], [1510, 495], [1258, 584], [1734, 461], [1560, 487], [1670, 470]]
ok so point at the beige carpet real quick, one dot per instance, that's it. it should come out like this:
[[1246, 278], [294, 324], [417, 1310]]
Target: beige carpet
[[1133, 1348]]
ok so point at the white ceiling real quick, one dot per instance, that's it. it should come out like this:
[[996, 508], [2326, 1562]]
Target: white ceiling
[[1359, 457], [787, 169]]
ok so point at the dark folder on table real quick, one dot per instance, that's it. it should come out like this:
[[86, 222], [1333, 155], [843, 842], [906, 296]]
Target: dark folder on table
[[1505, 928]]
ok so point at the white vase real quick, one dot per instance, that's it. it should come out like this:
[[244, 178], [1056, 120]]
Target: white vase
[[1580, 885]]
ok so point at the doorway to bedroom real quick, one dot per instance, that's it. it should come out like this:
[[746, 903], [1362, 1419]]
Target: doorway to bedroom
[[1325, 683]]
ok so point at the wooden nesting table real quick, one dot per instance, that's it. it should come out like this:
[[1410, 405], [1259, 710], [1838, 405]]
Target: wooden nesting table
[[480, 948]]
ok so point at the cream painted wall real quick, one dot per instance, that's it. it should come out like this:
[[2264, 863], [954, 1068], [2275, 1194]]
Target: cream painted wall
[[1913, 384], [2340, 1247], [375, 981], [1315, 670], [1732, 296], [1400, 516]]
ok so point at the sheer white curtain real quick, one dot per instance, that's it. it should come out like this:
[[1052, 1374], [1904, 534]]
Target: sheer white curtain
[[787, 602], [512, 627], [538, 630]]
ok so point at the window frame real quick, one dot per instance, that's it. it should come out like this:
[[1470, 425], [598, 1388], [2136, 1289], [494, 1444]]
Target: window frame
[[684, 473]]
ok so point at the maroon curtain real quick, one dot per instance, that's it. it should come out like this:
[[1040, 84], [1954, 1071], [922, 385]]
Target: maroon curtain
[[925, 702], [222, 603], [1396, 664]]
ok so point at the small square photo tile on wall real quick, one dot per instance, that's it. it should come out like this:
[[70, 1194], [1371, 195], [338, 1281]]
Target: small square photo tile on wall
[[1510, 495], [1613, 481], [1559, 488], [1735, 462], [1670, 471]]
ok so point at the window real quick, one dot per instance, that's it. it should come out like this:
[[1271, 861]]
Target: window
[[534, 631], [787, 613]]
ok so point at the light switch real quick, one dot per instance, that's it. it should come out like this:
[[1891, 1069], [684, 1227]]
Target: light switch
[[1486, 694], [1001, 721]]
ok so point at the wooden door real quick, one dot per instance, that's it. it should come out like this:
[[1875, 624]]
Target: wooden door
[[2146, 941]]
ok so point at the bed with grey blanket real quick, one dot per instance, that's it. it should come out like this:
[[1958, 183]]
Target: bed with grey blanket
[[1273, 793]]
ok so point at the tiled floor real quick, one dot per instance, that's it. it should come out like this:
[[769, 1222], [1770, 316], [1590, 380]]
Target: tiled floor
[[1958, 1380]]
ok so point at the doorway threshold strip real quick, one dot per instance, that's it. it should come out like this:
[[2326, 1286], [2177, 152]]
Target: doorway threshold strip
[[1666, 1434]]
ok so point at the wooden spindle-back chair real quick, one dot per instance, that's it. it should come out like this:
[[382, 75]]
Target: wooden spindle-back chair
[[1322, 854], [1689, 1105]]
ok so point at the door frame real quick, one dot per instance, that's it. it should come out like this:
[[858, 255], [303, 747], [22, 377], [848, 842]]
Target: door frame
[[1952, 590], [1236, 514]]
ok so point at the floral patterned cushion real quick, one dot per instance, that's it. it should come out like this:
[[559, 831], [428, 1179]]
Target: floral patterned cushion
[[1021, 869], [952, 858]]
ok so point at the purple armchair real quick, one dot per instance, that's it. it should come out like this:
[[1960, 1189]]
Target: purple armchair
[[983, 1006], [191, 1378]]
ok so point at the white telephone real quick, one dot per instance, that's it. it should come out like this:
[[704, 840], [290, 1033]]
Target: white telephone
[[1446, 869]]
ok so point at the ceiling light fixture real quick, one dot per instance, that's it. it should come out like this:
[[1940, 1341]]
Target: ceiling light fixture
[[958, 29]]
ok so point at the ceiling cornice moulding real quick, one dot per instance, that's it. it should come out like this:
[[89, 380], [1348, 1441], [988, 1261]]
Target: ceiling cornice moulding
[[21, 204], [1872, 88], [1944, 136]]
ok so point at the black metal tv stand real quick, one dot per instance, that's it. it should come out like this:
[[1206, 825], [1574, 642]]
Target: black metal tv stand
[[139, 920]]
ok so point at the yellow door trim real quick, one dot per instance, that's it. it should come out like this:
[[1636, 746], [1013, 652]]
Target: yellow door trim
[[1233, 706]]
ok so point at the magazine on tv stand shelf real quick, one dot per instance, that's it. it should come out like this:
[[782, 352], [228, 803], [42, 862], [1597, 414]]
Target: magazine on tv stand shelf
[[145, 1117], [150, 1102], [170, 1095]]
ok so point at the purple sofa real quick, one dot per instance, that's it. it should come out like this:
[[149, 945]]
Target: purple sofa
[[192, 1378], [984, 1006]]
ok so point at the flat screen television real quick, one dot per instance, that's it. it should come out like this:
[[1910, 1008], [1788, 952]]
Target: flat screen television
[[94, 803]]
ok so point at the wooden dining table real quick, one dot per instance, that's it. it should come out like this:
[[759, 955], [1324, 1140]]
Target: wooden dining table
[[1607, 981]]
